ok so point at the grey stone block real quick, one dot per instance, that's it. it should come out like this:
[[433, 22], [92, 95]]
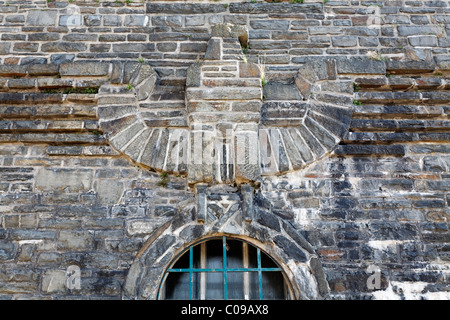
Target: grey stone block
[[92, 20], [112, 20], [214, 49], [357, 65], [75, 240], [135, 20], [423, 41], [418, 30], [344, 41], [320, 133], [134, 47], [70, 20], [264, 8], [182, 8], [269, 24], [120, 140], [68, 180], [61, 58], [63, 47], [84, 69], [280, 92], [220, 93], [42, 18], [5, 47], [290, 248], [195, 20]]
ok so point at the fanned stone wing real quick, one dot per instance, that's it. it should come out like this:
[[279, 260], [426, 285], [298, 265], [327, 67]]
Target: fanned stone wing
[[303, 121]]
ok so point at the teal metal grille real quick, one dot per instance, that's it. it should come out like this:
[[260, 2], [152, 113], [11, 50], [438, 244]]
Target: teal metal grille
[[224, 270]]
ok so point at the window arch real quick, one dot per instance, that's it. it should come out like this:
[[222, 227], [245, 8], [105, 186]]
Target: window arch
[[224, 268]]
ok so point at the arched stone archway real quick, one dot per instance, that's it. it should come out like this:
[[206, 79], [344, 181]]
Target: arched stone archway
[[274, 236]]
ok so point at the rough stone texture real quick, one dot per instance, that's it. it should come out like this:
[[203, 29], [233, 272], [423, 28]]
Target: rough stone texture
[[353, 176]]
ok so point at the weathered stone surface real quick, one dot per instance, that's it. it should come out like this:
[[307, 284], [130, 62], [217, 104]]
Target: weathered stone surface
[[278, 91], [214, 50], [54, 281], [75, 240], [290, 248], [68, 180], [120, 140], [189, 8], [224, 93], [42, 18], [260, 8], [360, 66], [84, 69], [65, 46], [193, 75]]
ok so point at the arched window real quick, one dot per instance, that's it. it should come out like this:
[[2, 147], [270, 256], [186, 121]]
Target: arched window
[[224, 268]]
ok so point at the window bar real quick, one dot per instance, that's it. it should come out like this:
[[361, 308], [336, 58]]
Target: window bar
[[258, 252], [191, 274], [203, 274], [246, 274], [225, 285]]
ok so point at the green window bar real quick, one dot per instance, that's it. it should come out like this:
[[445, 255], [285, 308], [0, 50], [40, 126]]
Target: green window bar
[[191, 270]]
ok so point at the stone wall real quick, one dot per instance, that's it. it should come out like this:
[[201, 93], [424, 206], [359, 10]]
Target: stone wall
[[357, 91]]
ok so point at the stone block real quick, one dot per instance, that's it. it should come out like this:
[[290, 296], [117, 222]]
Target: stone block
[[115, 112], [195, 20], [5, 47], [269, 24], [120, 140], [290, 248], [63, 47], [64, 180], [394, 150], [26, 47], [185, 8], [54, 83], [54, 282], [423, 41], [70, 20], [42, 18], [344, 41], [224, 93], [249, 70], [109, 191], [112, 20], [134, 47], [135, 20], [169, 21], [143, 226], [57, 59], [13, 71], [265, 8], [84, 69], [7, 250], [214, 49], [247, 164], [357, 65], [418, 30], [166, 46], [75, 240], [280, 92], [43, 70], [92, 20], [21, 83], [292, 151]]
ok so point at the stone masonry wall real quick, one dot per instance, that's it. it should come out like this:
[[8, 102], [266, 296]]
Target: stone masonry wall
[[375, 203]]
